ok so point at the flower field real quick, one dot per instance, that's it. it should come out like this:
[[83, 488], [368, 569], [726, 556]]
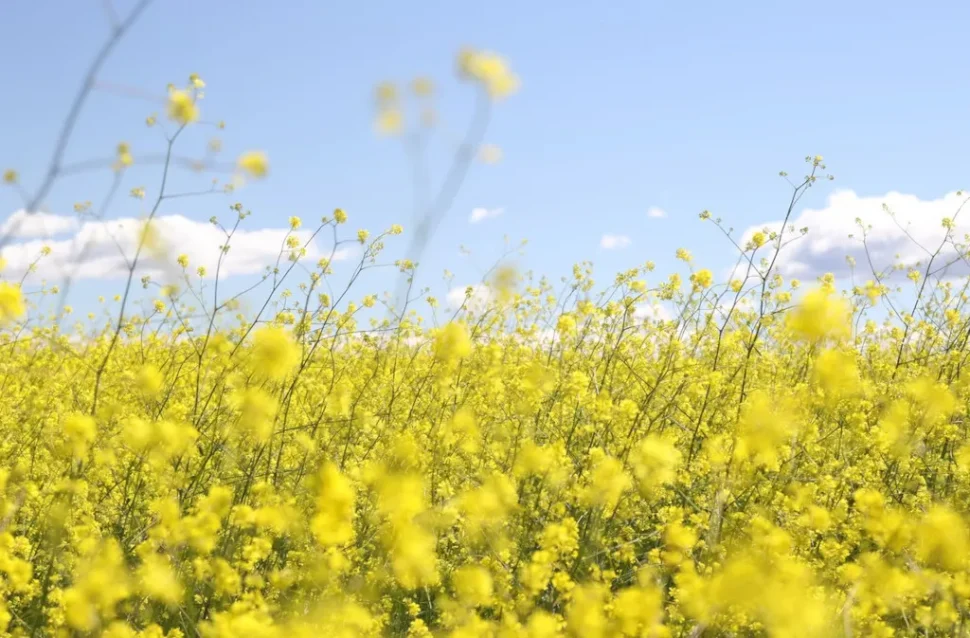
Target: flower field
[[742, 469], [763, 457]]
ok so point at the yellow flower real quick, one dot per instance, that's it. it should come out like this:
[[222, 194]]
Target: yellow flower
[[389, 121], [10, 176], [333, 522], [943, 539], [257, 409], [254, 163], [385, 94], [182, 108], [764, 428], [608, 481], [586, 614], [836, 372], [702, 279], [490, 70], [340, 216], [274, 353], [566, 325], [151, 239], [124, 156], [655, 461], [80, 431], [820, 315], [149, 380], [473, 585], [453, 342], [12, 304], [422, 87], [158, 580]]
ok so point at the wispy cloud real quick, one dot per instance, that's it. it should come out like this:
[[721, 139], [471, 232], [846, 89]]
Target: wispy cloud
[[474, 297], [656, 212], [103, 249], [833, 234], [652, 312], [612, 242], [481, 214], [24, 225]]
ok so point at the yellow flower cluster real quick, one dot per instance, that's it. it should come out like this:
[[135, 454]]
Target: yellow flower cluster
[[478, 479]]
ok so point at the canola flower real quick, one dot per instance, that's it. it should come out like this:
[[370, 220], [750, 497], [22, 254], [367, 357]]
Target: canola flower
[[549, 464], [470, 479]]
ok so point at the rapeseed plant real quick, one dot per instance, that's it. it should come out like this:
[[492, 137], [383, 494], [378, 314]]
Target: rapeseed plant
[[766, 461]]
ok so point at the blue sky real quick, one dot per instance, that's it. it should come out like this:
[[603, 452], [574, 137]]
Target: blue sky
[[675, 105]]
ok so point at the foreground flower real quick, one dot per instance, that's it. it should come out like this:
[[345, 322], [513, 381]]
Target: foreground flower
[[182, 107], [254, 163]]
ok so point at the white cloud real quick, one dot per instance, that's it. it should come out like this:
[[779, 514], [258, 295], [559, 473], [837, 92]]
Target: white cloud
[[102, 249], [656, 212], [24, 225], [481, 214], [611, 242], [826, 244], [652, 312], [481, 294]]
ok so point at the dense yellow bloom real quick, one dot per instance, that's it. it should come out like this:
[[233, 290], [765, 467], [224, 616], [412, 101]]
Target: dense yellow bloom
[[607, 482], [586, 615], [410, 545], [566, 325], [257, 409], [274, 353], [836, 372], [453, 342], [473, 585], [149, 380], [820, 315], [655, 462], [80, 431], [763, 430], [12, 304], [943, 539], [333, 522], [103, 583], [157, 580]]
